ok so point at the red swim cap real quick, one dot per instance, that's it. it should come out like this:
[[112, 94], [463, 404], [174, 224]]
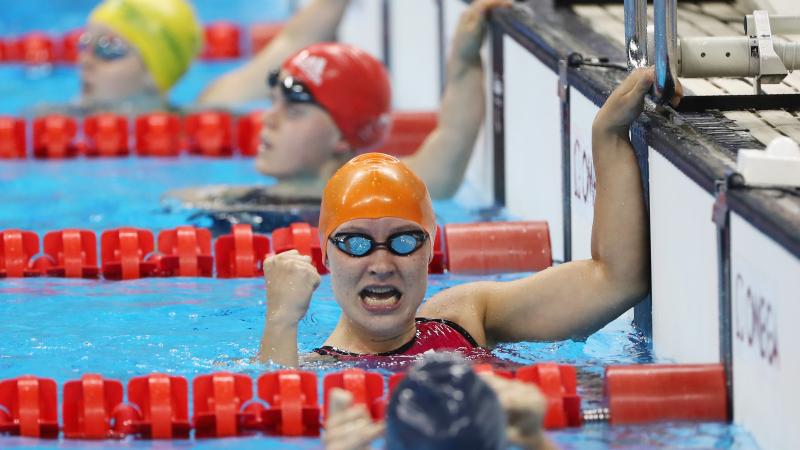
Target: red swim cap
[[351, 85], [374, 186]]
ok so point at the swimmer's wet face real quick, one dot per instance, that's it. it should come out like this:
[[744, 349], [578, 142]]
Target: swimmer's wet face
[[111, 69], [379, 293], [297, 138]]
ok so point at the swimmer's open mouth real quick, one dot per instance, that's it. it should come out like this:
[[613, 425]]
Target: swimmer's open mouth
[[380, 298]]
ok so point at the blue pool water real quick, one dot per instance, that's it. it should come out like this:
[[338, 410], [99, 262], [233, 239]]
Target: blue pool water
[[61, 328]]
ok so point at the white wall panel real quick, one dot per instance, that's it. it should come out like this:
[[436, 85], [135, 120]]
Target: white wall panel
[[362, 26], [765, 282], [414, 54], [533, 142], [582, 174], [684, 265]]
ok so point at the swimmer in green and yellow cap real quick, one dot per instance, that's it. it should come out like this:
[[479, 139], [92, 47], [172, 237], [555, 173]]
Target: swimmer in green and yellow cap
[[134, 51]]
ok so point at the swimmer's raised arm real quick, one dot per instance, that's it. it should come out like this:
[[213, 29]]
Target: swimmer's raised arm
[[316, 22], [576, 298], [291, 279], [450, 144]]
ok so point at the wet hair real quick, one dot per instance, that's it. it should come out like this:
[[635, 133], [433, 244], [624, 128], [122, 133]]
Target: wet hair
[[443, 404]]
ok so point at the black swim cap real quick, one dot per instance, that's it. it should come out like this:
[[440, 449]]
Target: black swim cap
[[442, 404]]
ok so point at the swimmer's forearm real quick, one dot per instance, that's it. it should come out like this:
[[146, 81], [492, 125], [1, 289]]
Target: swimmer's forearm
[[317, 22], [619, 233], [279, 343]]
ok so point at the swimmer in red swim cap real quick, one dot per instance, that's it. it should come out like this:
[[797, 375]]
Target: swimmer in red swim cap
[[331, 101], [377, 230]]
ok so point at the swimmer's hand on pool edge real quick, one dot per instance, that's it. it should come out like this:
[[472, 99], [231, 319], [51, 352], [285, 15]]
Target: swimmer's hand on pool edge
[[624, 104], [471, 30], [290, 279]]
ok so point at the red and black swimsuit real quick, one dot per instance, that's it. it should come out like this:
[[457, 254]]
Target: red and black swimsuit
[[432, 335]]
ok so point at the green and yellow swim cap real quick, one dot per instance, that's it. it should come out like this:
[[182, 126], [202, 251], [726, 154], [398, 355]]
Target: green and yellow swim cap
[[165, 32]]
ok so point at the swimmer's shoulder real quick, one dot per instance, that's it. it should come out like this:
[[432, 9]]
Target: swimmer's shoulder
[[463, 305]]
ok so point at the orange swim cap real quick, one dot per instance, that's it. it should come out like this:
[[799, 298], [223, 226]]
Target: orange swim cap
[[374, 186]]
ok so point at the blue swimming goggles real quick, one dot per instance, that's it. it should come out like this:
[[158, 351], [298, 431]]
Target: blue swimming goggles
[[357, 245], [106, 48], [294, 91]]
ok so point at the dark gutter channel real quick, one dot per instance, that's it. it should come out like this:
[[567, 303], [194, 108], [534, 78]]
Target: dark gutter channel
[[551, 33]]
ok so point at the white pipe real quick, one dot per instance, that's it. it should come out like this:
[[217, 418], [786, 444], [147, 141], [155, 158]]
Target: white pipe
[[703, 57], [778, 24]]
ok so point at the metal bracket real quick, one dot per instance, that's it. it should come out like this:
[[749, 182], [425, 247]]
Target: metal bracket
[[771, 68], [566, 157], [721, 217]]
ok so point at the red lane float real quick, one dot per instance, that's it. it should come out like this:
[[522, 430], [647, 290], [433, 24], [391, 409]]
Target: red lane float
[[106, 135], [293, 406], [185, 252], [654, 393], [262, 34], [209, 133], [70, 254], [158, 134], [241, 253], [37, 49], [248, 133], [29, 407], [163, 403], [12, 138], [301, 237], [70, 47], [17, 250], [497, 247], [409, 131], [366, 388], [124, 252], [54, 136], [221, 41], [558, 383], [88, 407], [13, 50], [218, 400]]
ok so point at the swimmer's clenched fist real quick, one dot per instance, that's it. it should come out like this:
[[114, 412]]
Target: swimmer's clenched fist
[[291, 278]]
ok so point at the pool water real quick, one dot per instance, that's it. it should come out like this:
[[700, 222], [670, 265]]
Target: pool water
[[63, 328]]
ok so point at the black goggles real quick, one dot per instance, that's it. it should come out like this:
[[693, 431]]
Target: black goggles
[[294, 91], [357, 245]]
